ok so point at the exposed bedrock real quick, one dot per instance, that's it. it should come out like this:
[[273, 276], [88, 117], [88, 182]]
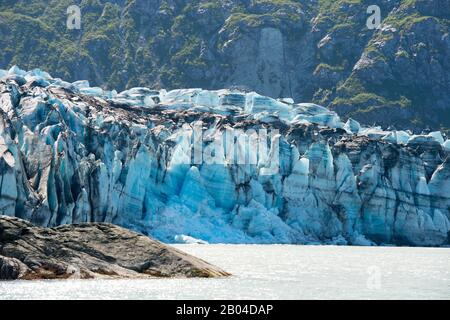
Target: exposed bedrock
[[87, 251]]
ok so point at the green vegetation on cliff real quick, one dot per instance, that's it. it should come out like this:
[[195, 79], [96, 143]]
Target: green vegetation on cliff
[[326, 54]]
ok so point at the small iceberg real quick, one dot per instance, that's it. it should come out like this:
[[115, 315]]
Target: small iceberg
[[184, 239]]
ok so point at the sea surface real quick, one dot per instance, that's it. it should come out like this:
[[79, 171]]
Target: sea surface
[[274, 272]]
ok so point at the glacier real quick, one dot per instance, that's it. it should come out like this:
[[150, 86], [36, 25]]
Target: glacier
[[72, 153]]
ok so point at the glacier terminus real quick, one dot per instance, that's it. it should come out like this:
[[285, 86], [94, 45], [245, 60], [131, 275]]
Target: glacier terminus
[[72, 153]]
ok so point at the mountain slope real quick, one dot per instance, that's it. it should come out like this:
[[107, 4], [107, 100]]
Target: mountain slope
[[319, 50]]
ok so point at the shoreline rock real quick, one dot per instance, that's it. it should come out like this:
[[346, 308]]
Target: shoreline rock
[[88, 251]]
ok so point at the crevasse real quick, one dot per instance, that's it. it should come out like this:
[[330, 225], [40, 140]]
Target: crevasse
[[70, 153]]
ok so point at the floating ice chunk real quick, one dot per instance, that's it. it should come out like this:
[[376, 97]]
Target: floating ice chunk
[[352, 126], [181, 238], [3, 73]]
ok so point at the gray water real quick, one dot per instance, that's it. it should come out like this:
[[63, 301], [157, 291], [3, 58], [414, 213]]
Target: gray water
[[275, 272]]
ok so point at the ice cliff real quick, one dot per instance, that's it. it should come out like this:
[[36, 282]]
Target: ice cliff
[[73, 153]]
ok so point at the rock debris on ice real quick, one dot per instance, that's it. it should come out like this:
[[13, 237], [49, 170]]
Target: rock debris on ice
[[73, 153]]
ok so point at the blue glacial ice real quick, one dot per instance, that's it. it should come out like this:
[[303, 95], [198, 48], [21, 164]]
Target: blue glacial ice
[[73, 153]]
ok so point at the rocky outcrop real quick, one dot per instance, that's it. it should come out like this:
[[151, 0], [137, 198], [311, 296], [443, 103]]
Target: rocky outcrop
[[403, 66], [86, 251], [70, 153]]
